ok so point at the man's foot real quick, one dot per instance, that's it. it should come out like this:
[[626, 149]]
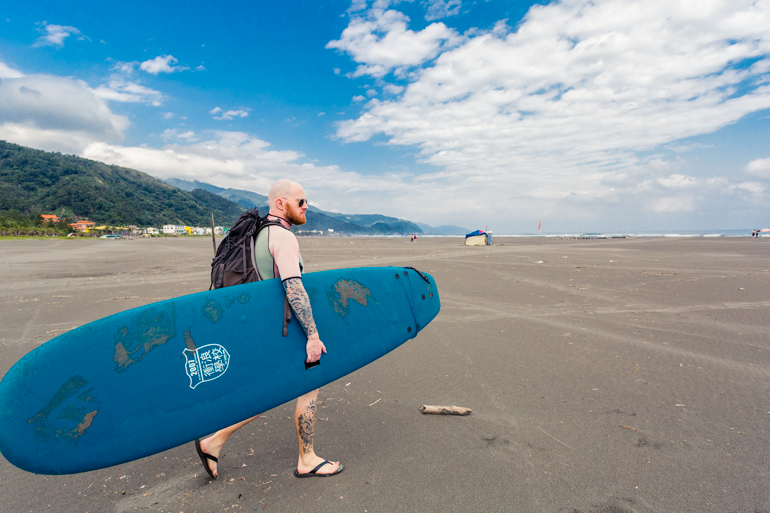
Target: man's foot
[[324, 469], [318, 467], [208, 451]]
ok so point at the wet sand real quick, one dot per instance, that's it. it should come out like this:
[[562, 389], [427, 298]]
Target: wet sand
[[615, 376]]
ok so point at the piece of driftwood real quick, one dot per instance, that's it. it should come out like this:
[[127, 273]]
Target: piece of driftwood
[[445, 410]]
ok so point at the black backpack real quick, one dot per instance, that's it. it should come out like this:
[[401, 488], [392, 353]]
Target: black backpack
[[235, 262]]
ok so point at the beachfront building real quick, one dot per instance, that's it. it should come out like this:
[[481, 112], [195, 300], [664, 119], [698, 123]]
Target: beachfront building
[[152, 231], [219, 230], [83, 226], [200, 231], [173, 229]]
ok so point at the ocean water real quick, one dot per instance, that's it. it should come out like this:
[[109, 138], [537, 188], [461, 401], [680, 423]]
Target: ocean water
[[604, 235], [680, 233]]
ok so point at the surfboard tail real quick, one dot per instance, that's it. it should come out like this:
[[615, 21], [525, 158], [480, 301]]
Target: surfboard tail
[[424, 299]]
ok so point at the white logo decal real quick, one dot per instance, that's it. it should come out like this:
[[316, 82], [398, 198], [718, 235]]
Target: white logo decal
[[205, 363]]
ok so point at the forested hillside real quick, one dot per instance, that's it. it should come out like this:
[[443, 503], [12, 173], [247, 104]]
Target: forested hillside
[[34, 181]]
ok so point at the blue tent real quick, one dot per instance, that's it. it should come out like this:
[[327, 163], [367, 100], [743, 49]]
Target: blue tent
[[477, 232], [478, 238]]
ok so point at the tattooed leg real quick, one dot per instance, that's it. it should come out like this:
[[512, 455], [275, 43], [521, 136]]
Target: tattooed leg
[[306, 428], [304, 421]]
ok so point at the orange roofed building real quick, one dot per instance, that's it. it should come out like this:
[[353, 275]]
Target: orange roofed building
[[83, 225], [50, 218]]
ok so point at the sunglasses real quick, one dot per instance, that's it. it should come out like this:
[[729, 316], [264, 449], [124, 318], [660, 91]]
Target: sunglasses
[[302, 202]]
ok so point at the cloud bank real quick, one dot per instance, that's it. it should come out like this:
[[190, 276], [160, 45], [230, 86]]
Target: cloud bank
[[569, 98]]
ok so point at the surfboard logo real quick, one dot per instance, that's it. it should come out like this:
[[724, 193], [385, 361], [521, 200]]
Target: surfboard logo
[[205, 363]]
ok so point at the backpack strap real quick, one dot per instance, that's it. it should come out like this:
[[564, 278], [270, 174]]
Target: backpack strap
[[286, 306], [286, 315]]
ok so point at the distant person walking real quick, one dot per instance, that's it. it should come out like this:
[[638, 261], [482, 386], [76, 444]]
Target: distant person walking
[[278, 256]]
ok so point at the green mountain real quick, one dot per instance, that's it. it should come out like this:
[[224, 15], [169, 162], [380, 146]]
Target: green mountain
[[37, 181]]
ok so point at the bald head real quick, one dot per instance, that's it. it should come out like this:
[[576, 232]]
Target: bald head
[[283, 189], [287, 200]]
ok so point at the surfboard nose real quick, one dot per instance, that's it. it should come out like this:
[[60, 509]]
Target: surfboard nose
[[426, 299]]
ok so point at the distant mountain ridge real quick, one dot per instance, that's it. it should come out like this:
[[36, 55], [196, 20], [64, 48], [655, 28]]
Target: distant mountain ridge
[[444, 229], [359, 224], [244, 198]]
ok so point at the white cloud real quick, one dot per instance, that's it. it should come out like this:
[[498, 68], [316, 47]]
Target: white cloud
[[126, 68], [753, 187], [8, 72], [201, 68], [393, 89], [674, 204], [359, 98], [173, 133], [717, 181], [168, 115], [56, 114], [371, 92], [120, 90], [574, 94], [229, 114], [759, 167], [438, 9], [682, 148], [677, 181], [382, 43], [357, 5], [161, 64], [54, 35]]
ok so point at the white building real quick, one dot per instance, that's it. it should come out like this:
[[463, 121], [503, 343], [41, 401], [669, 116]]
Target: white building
[[200, 231], [173, 229], [219, 230], [152, 231]]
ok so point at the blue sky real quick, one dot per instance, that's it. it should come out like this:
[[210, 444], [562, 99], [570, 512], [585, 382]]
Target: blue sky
[[608, 115]]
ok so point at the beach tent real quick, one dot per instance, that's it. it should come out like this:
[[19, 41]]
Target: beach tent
[[477, 238]]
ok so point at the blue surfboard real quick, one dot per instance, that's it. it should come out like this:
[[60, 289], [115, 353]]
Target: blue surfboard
[[179, 369]]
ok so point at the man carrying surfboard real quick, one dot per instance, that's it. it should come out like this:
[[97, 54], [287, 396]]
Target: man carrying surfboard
[[277, 256]]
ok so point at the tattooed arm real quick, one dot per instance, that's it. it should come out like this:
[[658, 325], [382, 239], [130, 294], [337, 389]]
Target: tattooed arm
[[300, 303]]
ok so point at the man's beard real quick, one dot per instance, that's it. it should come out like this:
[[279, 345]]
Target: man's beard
[[294, 217]]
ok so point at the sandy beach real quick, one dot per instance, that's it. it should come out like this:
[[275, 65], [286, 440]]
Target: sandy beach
[[622, 375]]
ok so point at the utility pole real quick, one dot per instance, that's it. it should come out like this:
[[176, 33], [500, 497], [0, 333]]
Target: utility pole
[[213, 239]]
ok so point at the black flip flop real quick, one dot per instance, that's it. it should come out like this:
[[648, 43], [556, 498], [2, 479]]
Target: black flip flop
[[205, 457], [314, 472]]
